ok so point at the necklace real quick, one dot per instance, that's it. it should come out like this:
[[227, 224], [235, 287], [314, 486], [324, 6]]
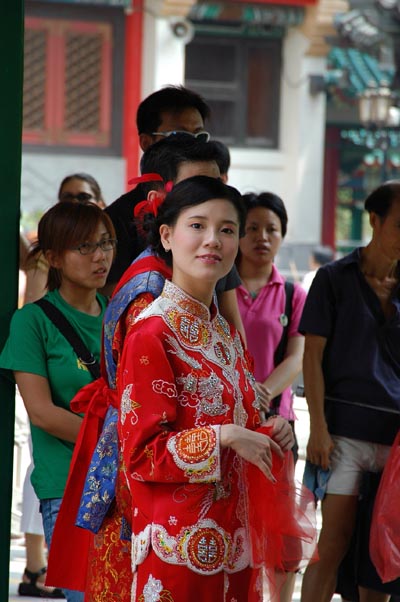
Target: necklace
[[253, 290]]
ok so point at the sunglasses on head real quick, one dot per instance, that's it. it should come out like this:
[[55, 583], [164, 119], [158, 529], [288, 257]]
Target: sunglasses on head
[[203, 136]]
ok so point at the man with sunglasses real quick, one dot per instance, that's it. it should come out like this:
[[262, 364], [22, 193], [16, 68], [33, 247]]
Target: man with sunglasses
[[164, 113], [171, 110]]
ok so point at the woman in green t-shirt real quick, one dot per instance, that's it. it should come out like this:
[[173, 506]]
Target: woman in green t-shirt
[[77, 240]]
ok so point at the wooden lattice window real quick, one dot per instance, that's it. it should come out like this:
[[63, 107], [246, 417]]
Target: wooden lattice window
[[67, 83]]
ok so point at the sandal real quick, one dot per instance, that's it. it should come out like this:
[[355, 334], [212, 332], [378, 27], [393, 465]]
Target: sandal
[[31, 588]]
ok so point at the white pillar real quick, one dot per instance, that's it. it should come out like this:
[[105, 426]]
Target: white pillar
[[163, 54], [303, 137]]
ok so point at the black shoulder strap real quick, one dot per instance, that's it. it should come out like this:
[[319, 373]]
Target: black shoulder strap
[[285, 321], [59, 320], [279, 354]]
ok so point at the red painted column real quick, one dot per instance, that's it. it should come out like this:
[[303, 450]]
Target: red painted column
[[331, 174], [132, 88]]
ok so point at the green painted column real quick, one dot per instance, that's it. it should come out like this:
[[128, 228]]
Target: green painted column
[[356, 223], [11, 78], [357, 213]]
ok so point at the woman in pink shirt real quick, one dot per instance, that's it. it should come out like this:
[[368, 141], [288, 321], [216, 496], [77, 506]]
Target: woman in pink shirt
[[262, 300]]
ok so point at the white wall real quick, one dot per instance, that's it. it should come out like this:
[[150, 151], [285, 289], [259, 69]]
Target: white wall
[[254, 170], [42, 173], [163, 55], [303, 133]]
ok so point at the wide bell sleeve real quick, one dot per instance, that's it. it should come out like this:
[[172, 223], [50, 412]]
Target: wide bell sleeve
[[152, 447]]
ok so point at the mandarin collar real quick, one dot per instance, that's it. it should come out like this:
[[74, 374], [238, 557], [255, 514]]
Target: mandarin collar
[[188, 303]]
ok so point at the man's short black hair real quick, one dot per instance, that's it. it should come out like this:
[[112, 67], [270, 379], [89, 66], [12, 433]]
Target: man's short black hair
[[165, 157], [222, 156], [381, 199], [170, 98], [323, 254]]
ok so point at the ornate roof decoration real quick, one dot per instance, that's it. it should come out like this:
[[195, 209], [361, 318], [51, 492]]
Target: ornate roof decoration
[[248, 13], [360, 27], [361, 71], [373, 26]]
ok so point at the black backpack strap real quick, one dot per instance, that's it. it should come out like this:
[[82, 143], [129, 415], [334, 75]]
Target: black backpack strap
[[63, 325], [280, 351]]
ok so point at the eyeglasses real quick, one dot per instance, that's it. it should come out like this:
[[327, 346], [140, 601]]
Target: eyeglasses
[[88, 248], [203, 136], [82, 197]]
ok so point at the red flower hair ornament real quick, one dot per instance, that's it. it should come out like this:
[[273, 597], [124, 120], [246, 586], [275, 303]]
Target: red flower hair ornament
[[146, 177], [151, 204]]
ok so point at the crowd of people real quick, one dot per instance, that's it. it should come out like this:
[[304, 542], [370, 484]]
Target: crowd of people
[[155, 354]]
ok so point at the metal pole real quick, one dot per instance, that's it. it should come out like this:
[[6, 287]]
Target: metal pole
[[11, 78]]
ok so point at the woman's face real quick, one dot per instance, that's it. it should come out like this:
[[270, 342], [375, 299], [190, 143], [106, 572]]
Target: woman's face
[[88, 271], [386, 232], [204, 244], [80, 190], [263, 236]]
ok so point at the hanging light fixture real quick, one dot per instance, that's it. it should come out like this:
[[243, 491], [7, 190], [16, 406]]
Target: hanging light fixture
[[374, 105]]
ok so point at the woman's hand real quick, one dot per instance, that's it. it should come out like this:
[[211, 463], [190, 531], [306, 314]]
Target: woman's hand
[[281, 432], [254, 447], [264, 396]]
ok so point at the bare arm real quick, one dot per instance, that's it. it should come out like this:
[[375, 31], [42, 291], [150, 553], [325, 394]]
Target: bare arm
[[36, 281], [320, 444], [284, 374], [56, 421], [23, 250], [229, 308]]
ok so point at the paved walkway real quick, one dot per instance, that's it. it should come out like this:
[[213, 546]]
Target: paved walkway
[[17, 563]]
